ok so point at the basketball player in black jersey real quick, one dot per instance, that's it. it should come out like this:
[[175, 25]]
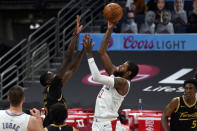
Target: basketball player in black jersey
[[182, 110], [58, 114], [53, 83]]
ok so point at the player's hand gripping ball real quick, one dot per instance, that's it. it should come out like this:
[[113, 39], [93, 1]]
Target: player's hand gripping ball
[[113, 12]]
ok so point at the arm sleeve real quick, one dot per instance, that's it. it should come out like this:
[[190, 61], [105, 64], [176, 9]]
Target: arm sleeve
[[105, 80]]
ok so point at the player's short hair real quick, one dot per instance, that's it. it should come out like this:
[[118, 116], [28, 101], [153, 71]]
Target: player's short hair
[[16, 94], [133, 68], [44, 78], [58, 113], [191, 81]]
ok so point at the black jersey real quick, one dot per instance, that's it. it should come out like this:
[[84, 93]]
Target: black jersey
[[52, 95], [185, 117], [65, 127]]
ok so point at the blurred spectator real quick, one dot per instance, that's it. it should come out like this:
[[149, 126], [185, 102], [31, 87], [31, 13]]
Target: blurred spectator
[[130, 5], [129, 25], [138, 6], [166, 26], [193, 18], [152, 5], [179, 16], [159, 11], [58, 114], [148, 27]]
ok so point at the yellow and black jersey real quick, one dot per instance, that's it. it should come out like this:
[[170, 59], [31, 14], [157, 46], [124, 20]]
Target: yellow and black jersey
[[52, 94], [64, 127], [185, 116]]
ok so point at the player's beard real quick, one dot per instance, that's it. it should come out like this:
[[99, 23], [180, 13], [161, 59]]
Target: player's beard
[[118, 73]]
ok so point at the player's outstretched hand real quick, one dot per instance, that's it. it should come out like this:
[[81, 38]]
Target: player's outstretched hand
[[87, 43], [78, 26]]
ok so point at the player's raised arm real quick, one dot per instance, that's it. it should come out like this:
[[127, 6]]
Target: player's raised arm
[[88, 45], [70, 50], [74, 66], [119, 83], [105, 59]]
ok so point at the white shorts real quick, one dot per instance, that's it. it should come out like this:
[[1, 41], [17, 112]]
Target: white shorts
[[107, 126]]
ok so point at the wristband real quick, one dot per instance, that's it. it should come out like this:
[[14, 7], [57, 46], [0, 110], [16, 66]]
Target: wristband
[[90, 60]]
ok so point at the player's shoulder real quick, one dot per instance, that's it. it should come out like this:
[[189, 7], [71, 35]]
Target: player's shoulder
[[2, 112], [122, 79], [175, 100]]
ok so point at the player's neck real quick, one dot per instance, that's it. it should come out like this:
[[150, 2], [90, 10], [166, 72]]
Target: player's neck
[[16, 110], [190, 101]]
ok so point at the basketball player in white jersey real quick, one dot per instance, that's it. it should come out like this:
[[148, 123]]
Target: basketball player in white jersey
[[14, 119], [116, 86]]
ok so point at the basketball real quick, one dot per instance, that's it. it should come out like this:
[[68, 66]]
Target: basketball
[[113, 12]]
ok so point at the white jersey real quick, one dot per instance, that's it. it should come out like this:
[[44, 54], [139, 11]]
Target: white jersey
[[13, 122], [108, 103]]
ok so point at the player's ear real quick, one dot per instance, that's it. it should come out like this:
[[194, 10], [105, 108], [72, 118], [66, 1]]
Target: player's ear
[[23, 100], [8, 98], [48, 81]]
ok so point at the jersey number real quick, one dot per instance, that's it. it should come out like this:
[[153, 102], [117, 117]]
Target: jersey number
[[194, 124], [101, 93]]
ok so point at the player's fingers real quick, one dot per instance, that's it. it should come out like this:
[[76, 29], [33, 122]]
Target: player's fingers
[[93, 44], [80, 28], [84, 44], [84, 37], [87, 35], [31, 112], [79, 18], [90, 40]]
